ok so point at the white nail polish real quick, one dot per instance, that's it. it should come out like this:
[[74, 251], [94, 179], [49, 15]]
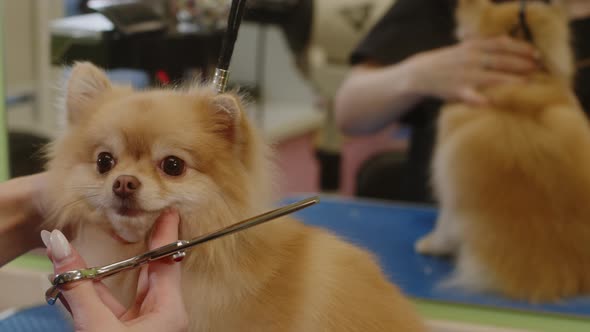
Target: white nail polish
[[60, 247], [45, 238]]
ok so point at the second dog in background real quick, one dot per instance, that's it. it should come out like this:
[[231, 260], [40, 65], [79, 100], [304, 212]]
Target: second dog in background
[[513, 178]]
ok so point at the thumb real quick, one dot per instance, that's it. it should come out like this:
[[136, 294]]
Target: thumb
[[166, 273], [81, 298], [158, 286]]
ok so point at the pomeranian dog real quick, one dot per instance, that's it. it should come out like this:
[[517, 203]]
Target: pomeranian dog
[[127, 155], [513, 178]]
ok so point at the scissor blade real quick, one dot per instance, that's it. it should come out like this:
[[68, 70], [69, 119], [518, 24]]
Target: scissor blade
[[171, 249], [237, 227]]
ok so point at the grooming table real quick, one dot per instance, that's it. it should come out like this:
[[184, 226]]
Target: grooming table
[[390, 230]]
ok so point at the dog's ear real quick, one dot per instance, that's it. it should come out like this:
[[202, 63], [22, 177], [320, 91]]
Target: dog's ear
[[469, 15], [551, 28], [86, 83], [227, 115]]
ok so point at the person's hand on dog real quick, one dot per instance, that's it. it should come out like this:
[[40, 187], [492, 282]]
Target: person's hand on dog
[[158, 305], [22, 210], [375, 95], [456, 72]]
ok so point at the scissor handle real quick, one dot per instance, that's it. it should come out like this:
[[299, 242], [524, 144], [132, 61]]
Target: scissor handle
[[70, 276], [100, 272]]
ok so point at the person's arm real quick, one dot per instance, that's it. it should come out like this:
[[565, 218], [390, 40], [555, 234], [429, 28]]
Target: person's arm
[[372, 96], [19, 216]]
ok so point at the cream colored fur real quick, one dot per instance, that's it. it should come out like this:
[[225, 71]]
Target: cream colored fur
[[281, 276]]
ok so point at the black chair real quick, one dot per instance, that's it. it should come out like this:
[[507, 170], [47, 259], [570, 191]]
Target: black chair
[[25, 153], [382, 177]]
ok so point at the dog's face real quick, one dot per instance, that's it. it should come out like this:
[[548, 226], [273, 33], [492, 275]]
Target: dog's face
[[128, 155], [548, 24]]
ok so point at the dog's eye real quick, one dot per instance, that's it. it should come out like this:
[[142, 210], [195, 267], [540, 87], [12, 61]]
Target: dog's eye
[[104, 162], [172, 166]]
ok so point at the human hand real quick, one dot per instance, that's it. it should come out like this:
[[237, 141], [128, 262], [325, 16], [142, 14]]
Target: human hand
[[158, 305], [21, 215], [38, 184], [457, 72]]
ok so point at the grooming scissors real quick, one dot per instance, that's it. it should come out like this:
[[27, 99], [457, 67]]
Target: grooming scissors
[[175, 249]]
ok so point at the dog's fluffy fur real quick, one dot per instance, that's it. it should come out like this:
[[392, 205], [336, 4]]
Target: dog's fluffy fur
[[281, 276], [513, 179]]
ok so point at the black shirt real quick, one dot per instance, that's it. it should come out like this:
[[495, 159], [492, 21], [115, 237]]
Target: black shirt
[[413, 26]]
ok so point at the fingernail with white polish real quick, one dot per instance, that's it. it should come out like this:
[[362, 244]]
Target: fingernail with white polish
[[60, 247], [45, 238]]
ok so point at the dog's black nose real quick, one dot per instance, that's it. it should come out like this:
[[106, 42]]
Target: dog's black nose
[[126, 185]]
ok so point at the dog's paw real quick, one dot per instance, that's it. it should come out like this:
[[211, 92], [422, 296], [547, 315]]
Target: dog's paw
[[434, 244]]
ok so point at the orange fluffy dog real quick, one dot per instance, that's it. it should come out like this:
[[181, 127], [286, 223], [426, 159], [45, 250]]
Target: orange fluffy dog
[[129, 155], [513, 178]]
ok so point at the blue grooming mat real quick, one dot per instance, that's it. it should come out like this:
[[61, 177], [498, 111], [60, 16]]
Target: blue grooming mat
[[44, 318], [390, 230]]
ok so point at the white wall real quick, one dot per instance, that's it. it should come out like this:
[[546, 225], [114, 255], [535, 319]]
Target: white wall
[[282, 82], [27, 70], [19, 29], [288, 100]]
